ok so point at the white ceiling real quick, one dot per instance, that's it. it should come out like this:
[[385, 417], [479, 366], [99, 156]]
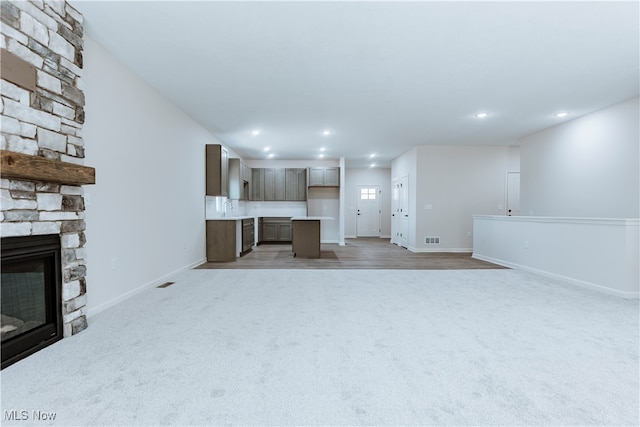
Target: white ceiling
[[382, 76]]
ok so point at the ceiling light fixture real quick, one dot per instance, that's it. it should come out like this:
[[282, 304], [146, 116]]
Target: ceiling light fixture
[[326, 132], [561, 114], [271, 155], [321, 155], [481, 115], [322, 149], [373, 165], [371, 156], [255, 132], [265, 149]]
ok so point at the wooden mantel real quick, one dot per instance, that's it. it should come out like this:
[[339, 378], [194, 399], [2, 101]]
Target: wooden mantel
[[34, 168]]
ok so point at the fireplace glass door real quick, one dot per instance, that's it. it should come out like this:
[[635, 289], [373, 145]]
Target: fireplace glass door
[[30, 281]]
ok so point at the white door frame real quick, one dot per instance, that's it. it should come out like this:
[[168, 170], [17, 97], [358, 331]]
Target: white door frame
[[507, 202], [395, 211]]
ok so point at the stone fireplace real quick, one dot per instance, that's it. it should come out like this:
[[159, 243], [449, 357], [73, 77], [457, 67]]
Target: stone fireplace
[[42, 113]]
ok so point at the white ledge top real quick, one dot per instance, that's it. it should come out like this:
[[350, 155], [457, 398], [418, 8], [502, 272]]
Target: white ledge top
[[311, 218], [561, 219], [231, 218]]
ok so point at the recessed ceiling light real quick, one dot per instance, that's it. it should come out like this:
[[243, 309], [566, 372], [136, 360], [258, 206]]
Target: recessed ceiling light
[[271, 155], [322, 149], [255, 132], [265, 149], [562, 114], [321, 155], [481, 115], [373, 165], [326, 132], [371, 156]]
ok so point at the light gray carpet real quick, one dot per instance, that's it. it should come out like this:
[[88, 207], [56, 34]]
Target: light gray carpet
[[348, 347]]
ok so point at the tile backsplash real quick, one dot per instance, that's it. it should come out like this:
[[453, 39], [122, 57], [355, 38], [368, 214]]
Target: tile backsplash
[[214, 208]]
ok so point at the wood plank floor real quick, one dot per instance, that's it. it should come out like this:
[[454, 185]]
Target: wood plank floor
[[362, 253]]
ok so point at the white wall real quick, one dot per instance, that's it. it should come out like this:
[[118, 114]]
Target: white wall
[[455, 183], [450, 184], [587, 167], [367, 176], [601, 254], [146, 210]]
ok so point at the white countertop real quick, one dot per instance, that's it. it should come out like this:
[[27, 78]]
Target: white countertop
[[311, 218]]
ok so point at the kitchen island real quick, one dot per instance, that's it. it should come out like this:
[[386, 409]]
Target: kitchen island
[[305, 239]]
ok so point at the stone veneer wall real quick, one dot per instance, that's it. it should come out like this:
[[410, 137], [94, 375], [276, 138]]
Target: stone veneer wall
[[47, 122]]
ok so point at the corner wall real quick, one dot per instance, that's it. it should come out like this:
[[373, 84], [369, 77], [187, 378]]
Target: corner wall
[[455, 183], [145, 215], [587, 167], [450, 184]]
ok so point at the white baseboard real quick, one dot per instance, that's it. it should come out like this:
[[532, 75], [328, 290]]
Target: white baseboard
[[446, 250], [355, 237], [106, 305], [576, 282]]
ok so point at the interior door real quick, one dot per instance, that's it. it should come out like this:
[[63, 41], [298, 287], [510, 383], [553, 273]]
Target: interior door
[[513, 193], [395, 211], [368, 211], [404, 211]]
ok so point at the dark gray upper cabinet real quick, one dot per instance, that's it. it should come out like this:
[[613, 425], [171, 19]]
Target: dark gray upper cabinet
[[269, 192], [238, 185], [324, 177], [257, 184], [296, 184], [280, 181], [332, 177], [291, 184], [302, 184], [316, 177], [217, 170], [279, 184]]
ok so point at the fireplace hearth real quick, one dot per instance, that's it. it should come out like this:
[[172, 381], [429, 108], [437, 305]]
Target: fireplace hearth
[[31, 295]]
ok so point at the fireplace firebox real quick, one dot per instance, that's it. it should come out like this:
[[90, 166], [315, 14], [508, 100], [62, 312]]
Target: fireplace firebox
[[31, 295]]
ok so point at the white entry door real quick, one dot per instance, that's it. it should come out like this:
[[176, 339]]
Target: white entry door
[[513, 193], [368, 211]]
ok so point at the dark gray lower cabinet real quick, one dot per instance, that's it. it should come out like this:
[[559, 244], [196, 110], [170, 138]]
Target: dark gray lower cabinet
[[221, 240], [275, 230]]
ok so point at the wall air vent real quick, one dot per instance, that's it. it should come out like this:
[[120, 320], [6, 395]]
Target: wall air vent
[[432, 240], [165, 285]]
